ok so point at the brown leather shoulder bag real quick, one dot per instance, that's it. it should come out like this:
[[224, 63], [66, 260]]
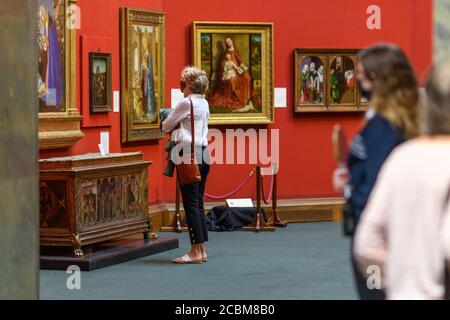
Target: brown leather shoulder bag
[[189, 172]]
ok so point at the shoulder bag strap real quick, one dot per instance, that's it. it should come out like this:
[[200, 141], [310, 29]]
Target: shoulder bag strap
[[192, 131]]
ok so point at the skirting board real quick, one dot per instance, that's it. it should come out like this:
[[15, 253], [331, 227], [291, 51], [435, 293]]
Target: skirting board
[[290, 210]]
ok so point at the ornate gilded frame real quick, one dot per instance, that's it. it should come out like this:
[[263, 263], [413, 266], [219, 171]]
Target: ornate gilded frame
[[327, 55], [138, 131], [266, 32], [62, 129]]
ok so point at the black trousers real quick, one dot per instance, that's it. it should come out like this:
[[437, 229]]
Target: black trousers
[[192, 195]]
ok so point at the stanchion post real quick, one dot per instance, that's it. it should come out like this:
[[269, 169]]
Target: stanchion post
[[258, 223], [275, 220]]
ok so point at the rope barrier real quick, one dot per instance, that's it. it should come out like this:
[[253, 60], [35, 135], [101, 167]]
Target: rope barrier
[[239, 188], [267, 199]]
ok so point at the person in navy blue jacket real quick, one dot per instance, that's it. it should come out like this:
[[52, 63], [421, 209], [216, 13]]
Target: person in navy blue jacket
[[369, 150], [386, 79]]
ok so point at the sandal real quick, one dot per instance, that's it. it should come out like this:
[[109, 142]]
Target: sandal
[[186, 259], [205, 258]]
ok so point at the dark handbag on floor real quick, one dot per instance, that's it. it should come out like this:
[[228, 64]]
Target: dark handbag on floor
[[349, 224], [189, 173]]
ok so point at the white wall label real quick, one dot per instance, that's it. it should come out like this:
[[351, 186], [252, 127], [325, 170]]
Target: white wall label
[[176, 96], [104, 141], [116, 101], [374, 19], [280, 97]]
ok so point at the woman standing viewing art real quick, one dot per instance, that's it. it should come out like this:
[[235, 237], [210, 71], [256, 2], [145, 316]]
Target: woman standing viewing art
[[234, 89], [387, 80], [194, 84]]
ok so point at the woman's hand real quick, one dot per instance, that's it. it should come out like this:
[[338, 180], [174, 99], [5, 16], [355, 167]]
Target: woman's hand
[[341, 177]]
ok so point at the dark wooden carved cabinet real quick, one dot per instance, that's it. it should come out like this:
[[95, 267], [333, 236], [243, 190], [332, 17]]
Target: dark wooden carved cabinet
[[89, 199]]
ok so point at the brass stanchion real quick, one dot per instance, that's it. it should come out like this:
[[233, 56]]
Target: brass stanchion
[[177, 223], [258, 223]]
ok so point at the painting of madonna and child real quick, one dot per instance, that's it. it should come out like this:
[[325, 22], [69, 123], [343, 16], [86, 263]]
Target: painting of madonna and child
[[238, 64], [325, 81]]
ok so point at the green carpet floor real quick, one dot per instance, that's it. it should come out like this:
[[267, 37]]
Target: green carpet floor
[[304, 261]]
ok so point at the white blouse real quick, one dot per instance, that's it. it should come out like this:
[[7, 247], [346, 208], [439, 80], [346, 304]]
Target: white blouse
[[181, 116]]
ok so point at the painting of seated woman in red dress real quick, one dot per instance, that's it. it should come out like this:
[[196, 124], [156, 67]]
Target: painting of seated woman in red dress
[[233, 90], [238, 59]]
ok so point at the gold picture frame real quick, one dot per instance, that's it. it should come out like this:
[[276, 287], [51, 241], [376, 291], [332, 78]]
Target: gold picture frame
[[323, 89], [59, 118], [238, 58], [142, 38]]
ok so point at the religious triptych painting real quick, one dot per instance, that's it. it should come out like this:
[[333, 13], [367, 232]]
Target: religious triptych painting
[[238, 60], [325, 81], [142, 73]]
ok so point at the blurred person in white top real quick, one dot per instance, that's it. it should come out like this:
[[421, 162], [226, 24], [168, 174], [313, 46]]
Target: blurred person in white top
[[405, 228]]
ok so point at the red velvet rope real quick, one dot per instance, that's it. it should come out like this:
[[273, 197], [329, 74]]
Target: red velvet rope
[[267, 199], [239, 188]]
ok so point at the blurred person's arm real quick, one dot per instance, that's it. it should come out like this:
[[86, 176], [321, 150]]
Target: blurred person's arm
[[371, 236]]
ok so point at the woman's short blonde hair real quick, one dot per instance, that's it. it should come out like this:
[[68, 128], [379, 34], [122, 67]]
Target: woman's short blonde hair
[[435, 109], [196, 79]]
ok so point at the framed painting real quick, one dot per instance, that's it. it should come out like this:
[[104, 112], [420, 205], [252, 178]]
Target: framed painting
[[100, 90], [142, 39], [342, 91], [59, 118], [238, 58], [325, 81], [310, 80]]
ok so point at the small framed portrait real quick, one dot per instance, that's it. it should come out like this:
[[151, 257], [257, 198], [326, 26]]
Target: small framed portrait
[[310, 81], [100, 82], [325, 81]]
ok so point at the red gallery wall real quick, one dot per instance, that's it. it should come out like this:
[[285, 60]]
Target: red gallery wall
[[306, 160]]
